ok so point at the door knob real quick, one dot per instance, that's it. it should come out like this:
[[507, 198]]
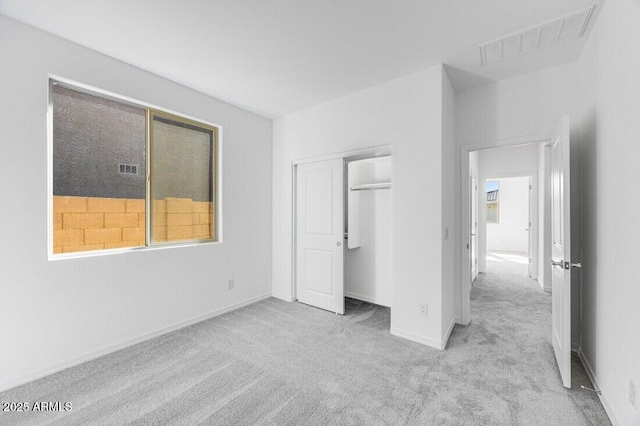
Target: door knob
[[339, 244], [554, 263], [577, 265]]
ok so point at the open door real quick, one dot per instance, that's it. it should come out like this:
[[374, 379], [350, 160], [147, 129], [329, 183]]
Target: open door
[[529, 229], [561, 249], [474, 228], [320, 234]]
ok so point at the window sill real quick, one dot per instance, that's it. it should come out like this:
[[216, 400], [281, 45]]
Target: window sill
[[107, 252]]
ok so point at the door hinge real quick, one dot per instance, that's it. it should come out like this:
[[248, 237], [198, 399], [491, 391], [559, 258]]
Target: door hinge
[[530, 260], [530, 187]]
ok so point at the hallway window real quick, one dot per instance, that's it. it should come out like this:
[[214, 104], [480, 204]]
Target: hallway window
[[493, 201]]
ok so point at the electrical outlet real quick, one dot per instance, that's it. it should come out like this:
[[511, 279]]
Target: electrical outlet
[[632, 394], [424, 309], [231, 283]]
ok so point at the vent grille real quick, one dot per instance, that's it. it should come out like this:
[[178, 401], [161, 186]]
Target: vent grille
[[543, 35], [128, 169]]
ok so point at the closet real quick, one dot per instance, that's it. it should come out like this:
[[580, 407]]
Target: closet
[[343, 230], [368, 230]]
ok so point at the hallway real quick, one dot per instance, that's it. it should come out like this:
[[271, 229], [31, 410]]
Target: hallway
[[511, 323]]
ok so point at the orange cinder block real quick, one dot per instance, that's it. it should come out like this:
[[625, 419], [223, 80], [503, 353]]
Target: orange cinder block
[[179, 232], [105, 235], [120, 220], [63, 204], [57, 221], [82, 220], [179, 219], [132, 234], [201, 206], [122, 244], [135, 205], [160, 233], [205, 218], [160, 206], [179, 205], [202, 231], [83, 247], [106, 205], [68, 237]]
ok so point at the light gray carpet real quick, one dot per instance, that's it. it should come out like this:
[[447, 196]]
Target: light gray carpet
[[287, 363]]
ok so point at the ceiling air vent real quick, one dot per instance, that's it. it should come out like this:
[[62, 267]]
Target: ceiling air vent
[[543, 35]]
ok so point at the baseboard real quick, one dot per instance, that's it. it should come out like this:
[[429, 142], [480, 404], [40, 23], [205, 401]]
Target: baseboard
[[282, 297], [21, 379], [445, 339], [603, 399], [367, 299], [416, 338]]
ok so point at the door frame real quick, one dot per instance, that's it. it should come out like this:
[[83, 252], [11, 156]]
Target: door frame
[[375, 151], [465, 235], [473, 176], [534, 243]]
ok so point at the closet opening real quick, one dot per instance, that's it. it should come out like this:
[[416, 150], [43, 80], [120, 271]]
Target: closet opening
[[343, 234]]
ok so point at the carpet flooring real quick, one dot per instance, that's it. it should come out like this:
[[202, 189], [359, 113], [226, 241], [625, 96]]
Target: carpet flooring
[[289, 364]]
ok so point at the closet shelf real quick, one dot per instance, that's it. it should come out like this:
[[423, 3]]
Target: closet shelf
[[371, 186]]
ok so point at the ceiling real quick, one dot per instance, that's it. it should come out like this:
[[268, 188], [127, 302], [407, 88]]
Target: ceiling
[[276, 57]]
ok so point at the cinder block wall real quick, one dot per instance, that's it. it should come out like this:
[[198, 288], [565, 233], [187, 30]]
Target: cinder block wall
[[91, 223]]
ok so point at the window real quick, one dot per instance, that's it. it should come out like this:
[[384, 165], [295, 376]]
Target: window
[[127, 176], [493, 201]]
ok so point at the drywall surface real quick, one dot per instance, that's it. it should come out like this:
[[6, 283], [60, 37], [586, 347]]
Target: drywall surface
[[56, 313], [519, 160], [510, 233], [530, 104], [450, 204], [608, 135], [367, 268], [407, 114]]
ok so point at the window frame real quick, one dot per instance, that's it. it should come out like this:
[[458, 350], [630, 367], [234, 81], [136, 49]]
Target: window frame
[[150, 111]]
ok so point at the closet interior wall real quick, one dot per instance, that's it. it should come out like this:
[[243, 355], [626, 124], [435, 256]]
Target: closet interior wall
[[368, 222]]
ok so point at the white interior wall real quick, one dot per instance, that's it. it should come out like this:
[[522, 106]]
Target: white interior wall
[[407, 113], [450, 204], [608, 135], [58, 313], [510, 233], [519, 108], [367, 269]]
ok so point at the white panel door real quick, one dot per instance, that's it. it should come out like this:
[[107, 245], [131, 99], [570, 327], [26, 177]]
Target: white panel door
[[529, 228], [474, 228], [561, 249], [320, 234]]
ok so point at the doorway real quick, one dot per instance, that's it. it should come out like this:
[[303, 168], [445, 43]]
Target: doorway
[[550, 155], [509, 224]]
